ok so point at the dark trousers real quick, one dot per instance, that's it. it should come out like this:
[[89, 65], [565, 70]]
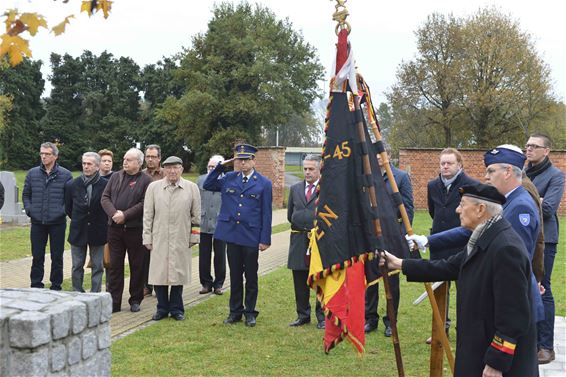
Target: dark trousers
[[146, 261], [38, 236], [169, 302], [545, 327], [243, 262], [207, 243], [122, 241], [372, 300], [302, 297]]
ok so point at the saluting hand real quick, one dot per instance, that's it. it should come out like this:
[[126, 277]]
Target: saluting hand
[[263, 247]]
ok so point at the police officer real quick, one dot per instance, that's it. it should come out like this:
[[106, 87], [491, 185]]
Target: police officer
[[244, 223]]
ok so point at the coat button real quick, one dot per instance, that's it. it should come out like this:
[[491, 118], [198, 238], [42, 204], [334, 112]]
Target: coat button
[[238, 213], [237, 222], [241, 195], [239, 205]]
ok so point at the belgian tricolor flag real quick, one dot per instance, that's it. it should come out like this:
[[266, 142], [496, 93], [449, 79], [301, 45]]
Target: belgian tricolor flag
[[344, 238]]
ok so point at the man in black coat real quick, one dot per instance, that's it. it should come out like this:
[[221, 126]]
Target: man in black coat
[[300, 213], [88, 222], [496, 333]]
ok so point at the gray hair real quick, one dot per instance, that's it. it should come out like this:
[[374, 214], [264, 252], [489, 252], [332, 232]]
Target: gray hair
[[94, 155], [517, 172], [491, 207], [313, 157], [138, 153], [52, 146], [216, 158], [154, 146]]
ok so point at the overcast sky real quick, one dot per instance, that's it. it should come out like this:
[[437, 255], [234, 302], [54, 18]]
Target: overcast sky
[[382, 31]]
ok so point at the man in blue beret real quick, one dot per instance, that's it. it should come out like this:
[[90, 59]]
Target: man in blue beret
[[496, 335], [244, 223]]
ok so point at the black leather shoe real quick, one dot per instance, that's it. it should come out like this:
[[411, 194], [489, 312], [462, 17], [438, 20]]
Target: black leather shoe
[[135, 308], [205, 290], [158, 316], [369, 327], [218, 291], [321, 325], [178, 316], [300, 322], [232, 319], [387, 332], [250, 321]]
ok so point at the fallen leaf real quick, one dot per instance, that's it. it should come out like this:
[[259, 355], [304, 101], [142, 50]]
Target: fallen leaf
[[60, 28]]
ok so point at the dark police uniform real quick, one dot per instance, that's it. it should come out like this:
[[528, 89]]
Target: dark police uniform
[[244, 222]]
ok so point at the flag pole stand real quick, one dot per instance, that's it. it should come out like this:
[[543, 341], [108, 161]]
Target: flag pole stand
[[437, 318]]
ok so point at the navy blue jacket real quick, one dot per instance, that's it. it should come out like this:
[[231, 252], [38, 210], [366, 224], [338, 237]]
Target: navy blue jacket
[[405, 187], [88, 221], [442, 206], [245, 212], [550, 186], [44, 194]]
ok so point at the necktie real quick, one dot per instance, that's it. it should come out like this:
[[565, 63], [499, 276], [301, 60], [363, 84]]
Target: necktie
[[245, 180], [309, 192]]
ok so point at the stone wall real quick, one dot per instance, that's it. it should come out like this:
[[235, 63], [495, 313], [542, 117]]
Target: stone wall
[[270, 162], [49, 333], [423, 165]]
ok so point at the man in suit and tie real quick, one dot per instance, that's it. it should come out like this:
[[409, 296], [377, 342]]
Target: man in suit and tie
[[301, 214], [244, 223]]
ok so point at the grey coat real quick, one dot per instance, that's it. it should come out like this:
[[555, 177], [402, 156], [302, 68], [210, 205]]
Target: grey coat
[[550, 186], [301, 216], [209, 208]]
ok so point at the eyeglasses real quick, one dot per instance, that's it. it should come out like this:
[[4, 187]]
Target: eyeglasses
[[533, 146]]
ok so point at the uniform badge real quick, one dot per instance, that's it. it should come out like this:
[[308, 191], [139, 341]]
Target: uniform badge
[[525, 219], [494, 151]]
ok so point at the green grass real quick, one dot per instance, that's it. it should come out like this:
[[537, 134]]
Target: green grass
[[15, 243]]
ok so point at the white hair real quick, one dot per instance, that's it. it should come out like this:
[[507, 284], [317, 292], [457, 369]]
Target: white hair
[[216, 159], [138, 153], [491, 207], [94, 155]]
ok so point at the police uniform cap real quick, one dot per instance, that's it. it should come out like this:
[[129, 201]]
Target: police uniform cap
[[504, 155], [244, 151], [172, 160], [481, 191]]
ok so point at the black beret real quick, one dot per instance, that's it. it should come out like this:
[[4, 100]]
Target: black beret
[[485, 192]]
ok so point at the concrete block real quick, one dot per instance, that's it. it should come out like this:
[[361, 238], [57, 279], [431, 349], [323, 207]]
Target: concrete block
[[28, 363], [90, 343], [58, 356], [25, 305], [92, 302], [78, 315], [105, 307], [40, 297], [60, 317], [104, 362], [29, 329], [74, 350], [104, 336]]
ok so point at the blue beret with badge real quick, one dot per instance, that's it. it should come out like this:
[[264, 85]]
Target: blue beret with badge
[[244, 151], [502, 155]]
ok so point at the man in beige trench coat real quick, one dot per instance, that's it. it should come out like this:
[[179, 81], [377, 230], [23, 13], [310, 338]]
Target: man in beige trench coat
[[171, 209]]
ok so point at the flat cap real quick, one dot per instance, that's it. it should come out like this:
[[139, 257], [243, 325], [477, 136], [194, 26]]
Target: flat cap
[[503, 155], [244, 151], [172, 160], [481, 191]]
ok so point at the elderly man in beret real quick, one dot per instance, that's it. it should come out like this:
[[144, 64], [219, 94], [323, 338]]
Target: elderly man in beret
[[171, 210], [496, 335], [244, 223]]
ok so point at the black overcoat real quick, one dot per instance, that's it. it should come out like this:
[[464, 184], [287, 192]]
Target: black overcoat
[[495, 325], [300, 214]]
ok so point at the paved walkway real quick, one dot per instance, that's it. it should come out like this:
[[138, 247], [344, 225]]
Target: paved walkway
[[15, 274]]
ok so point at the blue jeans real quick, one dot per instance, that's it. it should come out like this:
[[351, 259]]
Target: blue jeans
[[545, 328], [38, 236]]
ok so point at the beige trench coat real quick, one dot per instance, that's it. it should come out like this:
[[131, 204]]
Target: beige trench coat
[[168, 217]]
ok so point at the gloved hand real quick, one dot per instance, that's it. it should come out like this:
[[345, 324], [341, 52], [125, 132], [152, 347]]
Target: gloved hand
[[420, 241]]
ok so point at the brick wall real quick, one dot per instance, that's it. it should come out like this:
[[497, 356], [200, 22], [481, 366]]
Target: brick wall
[[270, 162], [422, 164]]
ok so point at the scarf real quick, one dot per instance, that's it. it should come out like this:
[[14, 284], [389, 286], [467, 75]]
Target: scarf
[[448, 181], [480, 229], [533, 170], [88, 182]]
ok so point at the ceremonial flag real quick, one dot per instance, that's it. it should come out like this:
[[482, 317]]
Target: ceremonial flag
[[344, 235]]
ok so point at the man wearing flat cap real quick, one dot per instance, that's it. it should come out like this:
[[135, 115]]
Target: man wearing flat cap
[[171, 210], [496, 335], [244, 222]]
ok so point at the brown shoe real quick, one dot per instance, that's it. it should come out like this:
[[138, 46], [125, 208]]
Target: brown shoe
[[205, 290], [545, 356]]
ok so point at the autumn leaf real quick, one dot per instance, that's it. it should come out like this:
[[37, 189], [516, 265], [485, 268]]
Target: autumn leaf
[[16, 47], [86, 6], [10, 18], [60, 28], [33, 22], [105, 5]]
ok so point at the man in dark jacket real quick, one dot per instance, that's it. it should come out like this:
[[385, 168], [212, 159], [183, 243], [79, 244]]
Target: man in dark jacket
[[88, 222], [549, 182], [496, 334], [122, 200], [405, 187], [300, 213], [44, 203]]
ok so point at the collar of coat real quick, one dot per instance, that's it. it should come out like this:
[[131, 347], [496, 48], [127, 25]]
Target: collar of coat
[[489, 235], [183, 183]]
